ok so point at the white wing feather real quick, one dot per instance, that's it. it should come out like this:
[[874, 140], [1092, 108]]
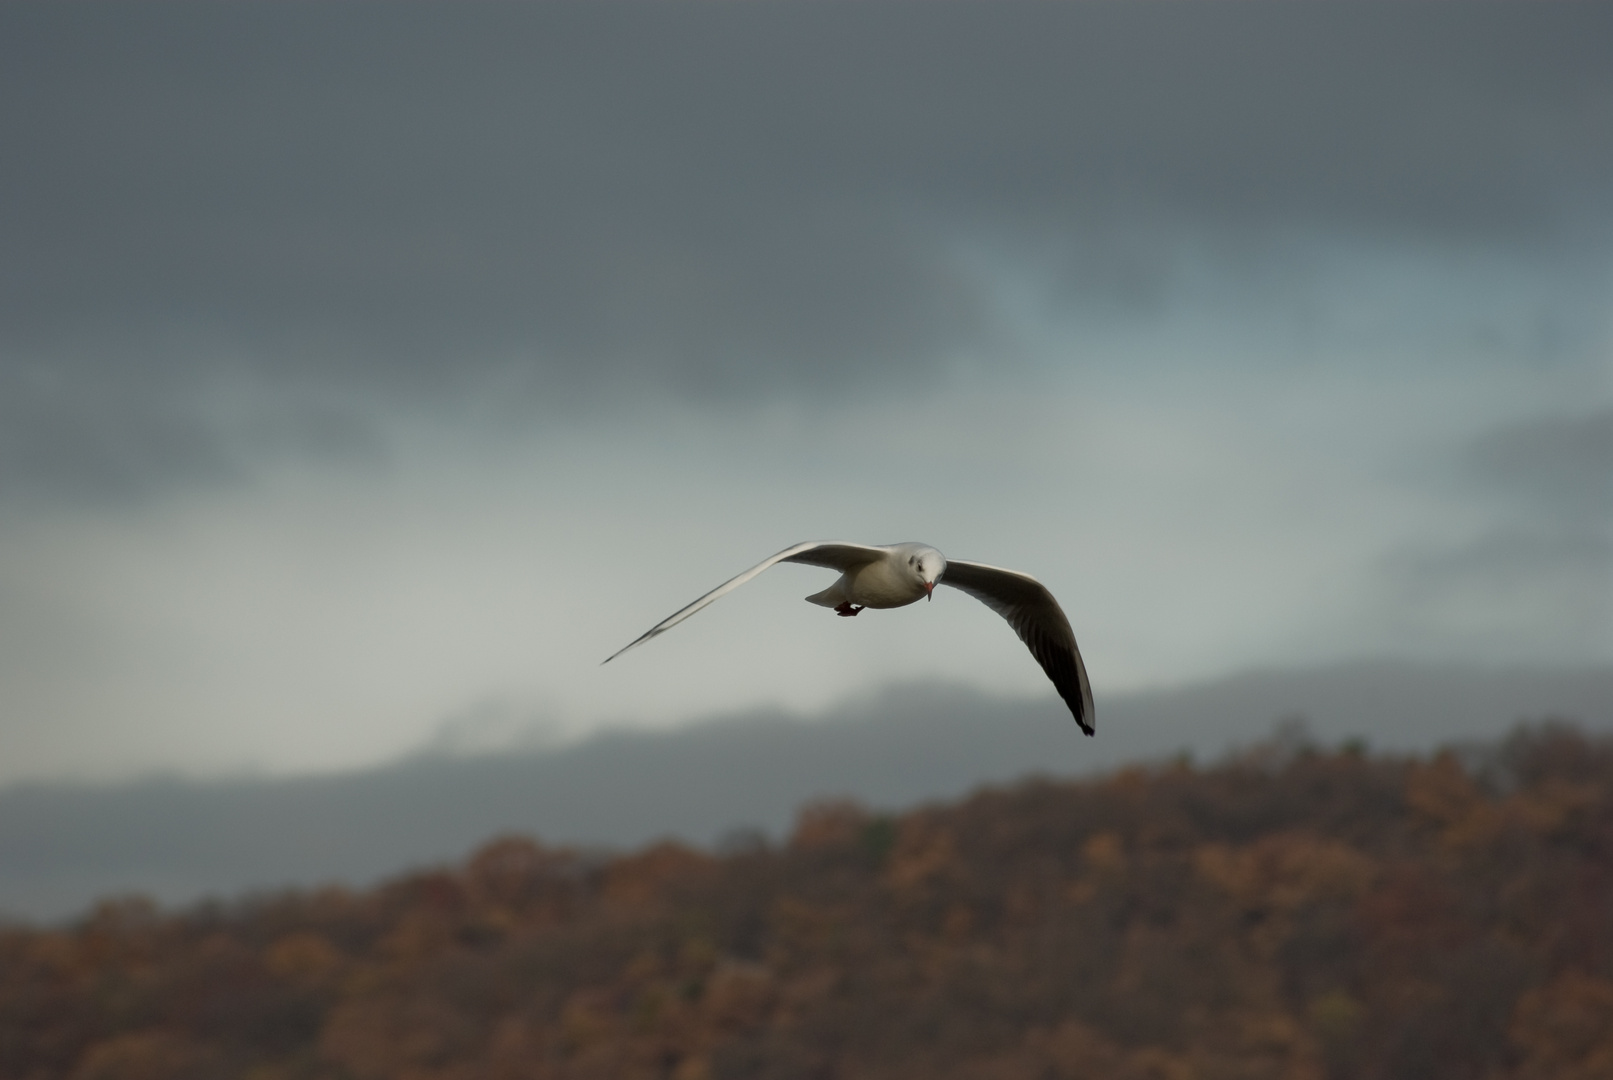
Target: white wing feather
[[833, 554]]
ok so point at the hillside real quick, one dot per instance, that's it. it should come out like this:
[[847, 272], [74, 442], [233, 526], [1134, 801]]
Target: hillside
[[1292, 913]]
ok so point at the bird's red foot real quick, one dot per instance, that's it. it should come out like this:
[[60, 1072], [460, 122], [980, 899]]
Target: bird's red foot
[[846, 609]]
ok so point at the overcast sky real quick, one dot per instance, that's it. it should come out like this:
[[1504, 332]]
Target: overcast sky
[[370, 372]]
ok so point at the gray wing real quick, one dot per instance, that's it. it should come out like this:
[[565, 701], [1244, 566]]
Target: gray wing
[[1040, 623], [834, 554]]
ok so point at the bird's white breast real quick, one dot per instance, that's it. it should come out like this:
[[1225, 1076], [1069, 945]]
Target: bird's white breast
[[883, 584]]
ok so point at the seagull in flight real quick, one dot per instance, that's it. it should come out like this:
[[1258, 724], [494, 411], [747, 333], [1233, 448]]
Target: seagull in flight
[[873, 576]]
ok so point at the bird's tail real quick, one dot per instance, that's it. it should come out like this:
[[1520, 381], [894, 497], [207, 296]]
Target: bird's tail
[[833, 596]]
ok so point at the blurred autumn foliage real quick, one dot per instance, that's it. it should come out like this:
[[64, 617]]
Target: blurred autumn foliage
[[1292, 913]]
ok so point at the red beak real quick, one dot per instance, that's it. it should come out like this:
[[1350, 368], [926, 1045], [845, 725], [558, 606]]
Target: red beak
[[929, 590]]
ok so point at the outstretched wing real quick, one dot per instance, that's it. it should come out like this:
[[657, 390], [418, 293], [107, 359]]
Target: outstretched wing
[[1040, 623], [833, 554]]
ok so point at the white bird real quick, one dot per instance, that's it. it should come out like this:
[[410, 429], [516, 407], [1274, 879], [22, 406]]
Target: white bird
[[899, 574]]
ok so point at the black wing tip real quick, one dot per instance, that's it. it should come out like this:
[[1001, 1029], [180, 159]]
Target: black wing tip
[[1083, 717], [620, 651]]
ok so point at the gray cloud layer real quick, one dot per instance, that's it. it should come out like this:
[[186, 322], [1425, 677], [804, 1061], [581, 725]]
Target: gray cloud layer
[[340, 207], [1563, 464]]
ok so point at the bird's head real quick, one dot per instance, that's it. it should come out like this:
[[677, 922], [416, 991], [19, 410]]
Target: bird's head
[[927, 565]]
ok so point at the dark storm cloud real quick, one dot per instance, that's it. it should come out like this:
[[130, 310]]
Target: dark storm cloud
[[1552, 541], [127, 429], [1560, 464], [721, 200], [1512, 562], [94, 441]]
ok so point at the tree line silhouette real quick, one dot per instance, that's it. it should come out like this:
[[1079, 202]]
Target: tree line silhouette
[[1290, 913]]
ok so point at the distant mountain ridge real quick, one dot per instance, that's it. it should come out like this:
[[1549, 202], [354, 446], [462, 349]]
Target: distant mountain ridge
[[63, 846]]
